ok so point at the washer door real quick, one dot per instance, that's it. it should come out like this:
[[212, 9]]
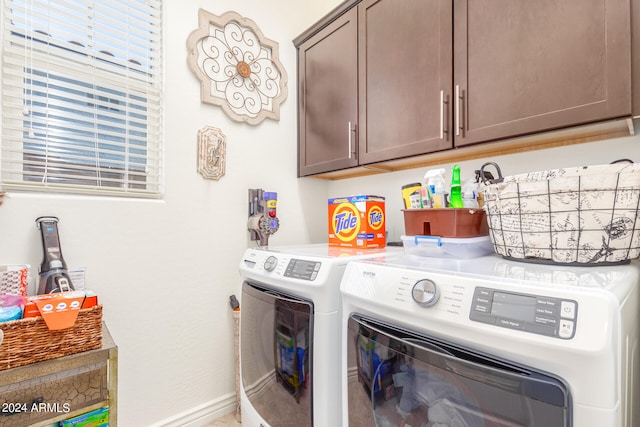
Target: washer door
[[399, 377], [275, 355]]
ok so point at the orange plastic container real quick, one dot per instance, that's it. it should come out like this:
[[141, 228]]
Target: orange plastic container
[[446, 222]]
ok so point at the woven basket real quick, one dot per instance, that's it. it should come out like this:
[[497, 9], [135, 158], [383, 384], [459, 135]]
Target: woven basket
[[573, 216], [30, 340]]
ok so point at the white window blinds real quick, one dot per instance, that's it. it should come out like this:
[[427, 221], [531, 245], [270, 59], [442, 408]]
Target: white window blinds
[[81, 88]]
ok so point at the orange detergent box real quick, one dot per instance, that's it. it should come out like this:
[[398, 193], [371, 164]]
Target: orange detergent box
[[357, 222]]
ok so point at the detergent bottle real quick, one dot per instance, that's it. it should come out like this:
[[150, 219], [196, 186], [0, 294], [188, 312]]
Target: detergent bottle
[[455, 200]]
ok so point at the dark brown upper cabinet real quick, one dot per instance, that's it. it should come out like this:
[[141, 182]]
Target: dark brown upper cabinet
[[328, 97], [635, 56], [369, 85], [528, 66], [380, 80], [405, 68]]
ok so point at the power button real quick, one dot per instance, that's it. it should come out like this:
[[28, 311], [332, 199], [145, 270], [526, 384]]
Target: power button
[[568, 310]]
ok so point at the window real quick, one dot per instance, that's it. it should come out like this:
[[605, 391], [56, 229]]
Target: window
[[81, 96]]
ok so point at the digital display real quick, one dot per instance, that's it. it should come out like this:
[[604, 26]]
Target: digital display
[[301, 269], [512, 306]]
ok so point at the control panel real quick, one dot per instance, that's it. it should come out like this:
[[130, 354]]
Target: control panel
[[553, 317], [302, 269], [282, 265]]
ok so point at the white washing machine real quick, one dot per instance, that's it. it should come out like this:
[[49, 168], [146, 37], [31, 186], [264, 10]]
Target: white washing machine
[[290, 331], [490, 342]]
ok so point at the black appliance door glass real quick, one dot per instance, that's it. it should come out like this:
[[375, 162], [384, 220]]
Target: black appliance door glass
[[275, 350], [399, 377]]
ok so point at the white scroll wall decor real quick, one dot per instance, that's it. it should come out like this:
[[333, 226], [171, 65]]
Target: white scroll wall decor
[[238, 67]]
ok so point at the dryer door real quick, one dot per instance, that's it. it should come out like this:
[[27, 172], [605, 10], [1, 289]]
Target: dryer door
[[399, 377], [275, 355]]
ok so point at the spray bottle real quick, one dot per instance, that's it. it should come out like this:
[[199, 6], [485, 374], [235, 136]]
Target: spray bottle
[[455, 200], [427, 195], [436, 184], [469, 195]]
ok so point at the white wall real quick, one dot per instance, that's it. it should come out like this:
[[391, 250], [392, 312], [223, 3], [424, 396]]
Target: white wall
[[164, 269]]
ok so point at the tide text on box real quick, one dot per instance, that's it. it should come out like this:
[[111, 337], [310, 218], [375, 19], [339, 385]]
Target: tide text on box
[[357, 222]]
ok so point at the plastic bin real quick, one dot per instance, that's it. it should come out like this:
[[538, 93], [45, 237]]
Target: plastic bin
[[446, 222], [440, 247]]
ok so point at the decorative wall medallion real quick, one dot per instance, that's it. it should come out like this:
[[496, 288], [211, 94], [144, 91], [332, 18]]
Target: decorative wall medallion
[[212, 151], [238, 67]]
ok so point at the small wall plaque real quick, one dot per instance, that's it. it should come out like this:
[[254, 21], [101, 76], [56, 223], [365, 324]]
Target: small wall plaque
[[212, 151]]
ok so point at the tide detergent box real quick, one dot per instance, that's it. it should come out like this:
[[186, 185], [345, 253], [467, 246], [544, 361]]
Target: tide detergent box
[[357, 222]]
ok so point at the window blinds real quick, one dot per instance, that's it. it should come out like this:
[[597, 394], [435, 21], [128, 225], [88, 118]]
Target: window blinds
[[81, 88]]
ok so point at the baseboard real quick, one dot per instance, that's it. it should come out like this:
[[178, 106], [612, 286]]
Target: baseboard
[[202, 414]]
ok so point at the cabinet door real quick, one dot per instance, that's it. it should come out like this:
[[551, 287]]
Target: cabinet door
[[525, 66], [405, 78], [635, 56], [328, 97]]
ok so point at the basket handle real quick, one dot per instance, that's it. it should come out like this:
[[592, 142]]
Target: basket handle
[[487, 177], [622, 161]]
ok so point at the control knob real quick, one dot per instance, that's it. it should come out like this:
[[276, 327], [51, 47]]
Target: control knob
[[270, 263], [425, 292]]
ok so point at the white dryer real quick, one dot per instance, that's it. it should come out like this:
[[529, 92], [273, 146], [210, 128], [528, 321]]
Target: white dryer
[[489, 342], [290, 331]]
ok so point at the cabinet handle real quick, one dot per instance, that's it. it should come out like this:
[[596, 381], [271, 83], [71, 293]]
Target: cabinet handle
[[351, 130], [443, 102], [458, 110]]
